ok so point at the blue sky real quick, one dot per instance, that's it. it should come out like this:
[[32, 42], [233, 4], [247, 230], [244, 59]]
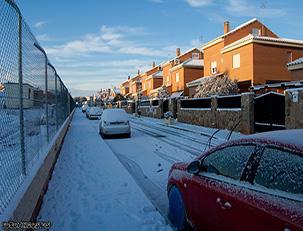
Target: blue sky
[[96, 44]]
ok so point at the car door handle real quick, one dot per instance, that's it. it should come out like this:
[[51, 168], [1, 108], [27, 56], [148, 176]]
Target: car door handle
[[223, 204]]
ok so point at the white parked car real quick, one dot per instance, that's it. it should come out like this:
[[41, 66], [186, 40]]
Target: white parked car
[[94, 113], [114, 122], [84, 107]]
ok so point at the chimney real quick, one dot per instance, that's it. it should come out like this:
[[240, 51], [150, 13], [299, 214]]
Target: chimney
[[226, 27], [154, 64], [138, 72], [178, 52], [128, 78]]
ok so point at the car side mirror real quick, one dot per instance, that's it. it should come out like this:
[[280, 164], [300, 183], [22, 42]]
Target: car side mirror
[[194, 167]]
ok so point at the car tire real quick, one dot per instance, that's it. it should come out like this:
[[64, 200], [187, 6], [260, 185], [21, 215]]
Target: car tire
[[177, 211], [102, 134], [128, 135]]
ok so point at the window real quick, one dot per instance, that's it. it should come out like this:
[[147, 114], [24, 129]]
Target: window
[[195, 55], [177, 77], [229, 161], [280, 170], [236, 61], [255, 32], [29, 93], [213, 67]]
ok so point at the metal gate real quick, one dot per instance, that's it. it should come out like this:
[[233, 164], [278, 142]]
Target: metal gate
[[269, 112], [165, 105]]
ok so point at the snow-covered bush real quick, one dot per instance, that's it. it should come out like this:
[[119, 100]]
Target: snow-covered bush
[[162, 92], [168, 115], [216, 85]]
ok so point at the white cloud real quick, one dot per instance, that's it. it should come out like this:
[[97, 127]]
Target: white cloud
[[199, 3], [98, 60], [44, 38], [80, 92], [196, 43], [136, 50], [89, 44], [244, 8], [130, 63], [39, 24], [114, 40]]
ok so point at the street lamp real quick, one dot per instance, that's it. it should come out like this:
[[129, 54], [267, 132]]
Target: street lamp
[[139, 99]]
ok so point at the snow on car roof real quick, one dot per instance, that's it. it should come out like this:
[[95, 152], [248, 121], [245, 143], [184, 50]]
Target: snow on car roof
[[288, 138], [114, 115], [95, 109]]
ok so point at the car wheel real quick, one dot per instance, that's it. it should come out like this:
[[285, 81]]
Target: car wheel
[[102, 134], [177, 213], [128, 135]]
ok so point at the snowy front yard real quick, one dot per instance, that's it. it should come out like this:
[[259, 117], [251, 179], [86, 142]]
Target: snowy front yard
[[118, 183]]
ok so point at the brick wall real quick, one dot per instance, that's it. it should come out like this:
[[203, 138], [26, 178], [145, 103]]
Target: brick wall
[[172, 107], [238, 119], [270, 62], [129, 108], [297, 75], [153, 111]]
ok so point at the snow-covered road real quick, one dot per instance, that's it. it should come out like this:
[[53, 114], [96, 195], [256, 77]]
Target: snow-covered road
[[154, 147], [91, 190], [117, 183]]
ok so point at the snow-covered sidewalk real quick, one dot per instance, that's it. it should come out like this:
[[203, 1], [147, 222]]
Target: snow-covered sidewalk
[[91, 190]]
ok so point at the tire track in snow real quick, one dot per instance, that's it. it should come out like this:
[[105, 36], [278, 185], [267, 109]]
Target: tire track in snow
[[153, 192], [191, 150]]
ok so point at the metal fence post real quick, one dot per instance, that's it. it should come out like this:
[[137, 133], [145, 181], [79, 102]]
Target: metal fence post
[[20, 76], [20, 79], [46, 100], [68, 103], [46, 88], [54, 69], [56, 89]]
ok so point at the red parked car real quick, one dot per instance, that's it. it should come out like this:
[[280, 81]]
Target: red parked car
[[254, 183]]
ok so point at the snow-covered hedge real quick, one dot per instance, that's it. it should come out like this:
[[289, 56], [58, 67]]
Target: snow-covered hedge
[[216, 85]]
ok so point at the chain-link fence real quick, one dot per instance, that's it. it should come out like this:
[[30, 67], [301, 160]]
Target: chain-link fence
[[34, 102]]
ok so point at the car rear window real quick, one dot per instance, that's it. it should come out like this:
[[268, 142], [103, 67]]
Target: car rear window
[[114, 115], [95, 109], [229, 161], [282, 170]]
